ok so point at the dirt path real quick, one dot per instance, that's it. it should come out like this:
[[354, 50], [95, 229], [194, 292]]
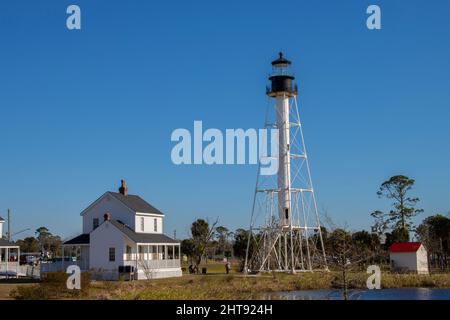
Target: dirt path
[[6, 288]]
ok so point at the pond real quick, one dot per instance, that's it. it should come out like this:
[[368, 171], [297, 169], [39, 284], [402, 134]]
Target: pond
[[383, 294]]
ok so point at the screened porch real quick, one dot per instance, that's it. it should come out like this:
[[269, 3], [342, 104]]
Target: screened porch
[[154, 256]]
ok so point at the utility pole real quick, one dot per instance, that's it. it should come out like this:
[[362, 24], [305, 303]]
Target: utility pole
[[9, 226]]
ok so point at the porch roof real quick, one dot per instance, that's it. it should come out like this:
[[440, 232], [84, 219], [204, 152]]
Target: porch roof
[[81, 239], [6, 244]]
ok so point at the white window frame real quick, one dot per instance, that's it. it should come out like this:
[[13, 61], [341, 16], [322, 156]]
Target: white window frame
[[113, 251]]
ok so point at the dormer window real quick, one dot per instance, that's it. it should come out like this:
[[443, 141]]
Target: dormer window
[[142, 224], [155, 225]]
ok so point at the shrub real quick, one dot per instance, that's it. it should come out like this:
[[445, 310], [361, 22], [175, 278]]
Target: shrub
[[53, 286]]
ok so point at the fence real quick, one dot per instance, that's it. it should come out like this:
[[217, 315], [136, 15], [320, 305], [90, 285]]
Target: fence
[[29, 271], [9, 269], [61, 266]]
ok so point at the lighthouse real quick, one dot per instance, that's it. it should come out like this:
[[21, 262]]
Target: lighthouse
[[281, 89], [285, 231]]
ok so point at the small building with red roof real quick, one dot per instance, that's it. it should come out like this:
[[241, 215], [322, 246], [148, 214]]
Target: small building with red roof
[[409, 257]]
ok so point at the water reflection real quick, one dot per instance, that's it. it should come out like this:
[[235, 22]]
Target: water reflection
[[384, 294]]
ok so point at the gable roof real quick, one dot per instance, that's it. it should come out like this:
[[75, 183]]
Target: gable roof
[[405, 247], [1, 219], [142, 237], [132, 202], [81, 239], [135, 203]]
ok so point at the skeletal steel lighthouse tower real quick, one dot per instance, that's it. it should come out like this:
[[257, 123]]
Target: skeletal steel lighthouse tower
[[285, 232]]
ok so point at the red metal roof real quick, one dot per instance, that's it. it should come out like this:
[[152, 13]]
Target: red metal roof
[[405, 247]]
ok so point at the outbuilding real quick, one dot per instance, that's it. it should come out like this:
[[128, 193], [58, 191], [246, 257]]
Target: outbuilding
[[9, 256], [409, 257]]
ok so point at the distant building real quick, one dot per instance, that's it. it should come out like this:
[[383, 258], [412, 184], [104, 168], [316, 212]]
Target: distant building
[[122, 236], [2, 221], [9, 256], [409, 257]]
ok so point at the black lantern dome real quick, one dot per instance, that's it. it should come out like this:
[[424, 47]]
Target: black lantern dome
[[281, 78], [281, 61]]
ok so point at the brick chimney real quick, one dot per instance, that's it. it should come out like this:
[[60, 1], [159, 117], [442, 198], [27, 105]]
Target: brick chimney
[[123, 188]]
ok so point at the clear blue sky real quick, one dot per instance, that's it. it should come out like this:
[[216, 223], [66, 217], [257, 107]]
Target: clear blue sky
[[79, 110]]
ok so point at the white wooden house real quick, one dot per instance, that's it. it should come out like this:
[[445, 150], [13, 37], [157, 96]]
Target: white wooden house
[[123, 234], [9, 256], [409, 257]]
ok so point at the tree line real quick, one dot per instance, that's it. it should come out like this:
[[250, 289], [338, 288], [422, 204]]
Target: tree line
[[213, 241], [44, 242], [342, 246]]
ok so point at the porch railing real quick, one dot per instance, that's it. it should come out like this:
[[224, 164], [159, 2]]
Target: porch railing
[[9, 268], [153, 264]]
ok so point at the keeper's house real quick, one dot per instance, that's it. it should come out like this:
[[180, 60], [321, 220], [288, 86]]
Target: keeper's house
[[409, 257], [123, 236]]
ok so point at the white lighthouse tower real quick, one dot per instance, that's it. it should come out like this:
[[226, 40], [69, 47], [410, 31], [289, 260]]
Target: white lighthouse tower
[[285, 230]]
